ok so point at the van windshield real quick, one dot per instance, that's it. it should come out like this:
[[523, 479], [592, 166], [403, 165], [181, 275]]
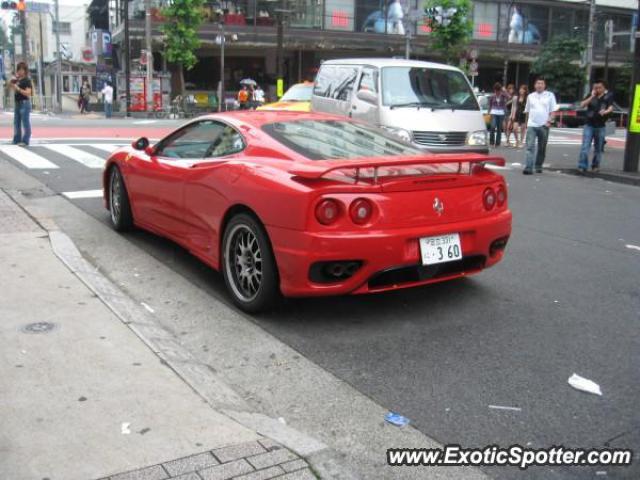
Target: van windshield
[[426, 87]]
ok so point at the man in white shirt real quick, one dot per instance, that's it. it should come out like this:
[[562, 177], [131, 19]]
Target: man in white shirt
[[107, 95], [539, 109]]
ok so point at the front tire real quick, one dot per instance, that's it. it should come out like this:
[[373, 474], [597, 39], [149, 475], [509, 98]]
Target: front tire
[[119, 206], [248, 265]]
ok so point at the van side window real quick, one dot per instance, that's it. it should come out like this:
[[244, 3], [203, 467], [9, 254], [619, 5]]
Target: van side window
[[369, 80], [335, 82]]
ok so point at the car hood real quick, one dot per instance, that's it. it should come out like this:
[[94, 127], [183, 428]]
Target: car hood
[[288, 106], [423, 119]]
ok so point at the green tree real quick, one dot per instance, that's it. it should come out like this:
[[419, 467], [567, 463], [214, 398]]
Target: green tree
[[622, 83], [183, 18], [451, 39], [559, 62]]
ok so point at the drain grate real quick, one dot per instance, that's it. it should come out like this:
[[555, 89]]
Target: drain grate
[[38, 327]]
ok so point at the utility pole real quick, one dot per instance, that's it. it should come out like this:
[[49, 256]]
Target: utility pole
[[282, 17], [23, 36], [632, 145], [147, 37], [608, 45], [40, 65], [221, 102], [59, 57], [590, 35], [127, 60]]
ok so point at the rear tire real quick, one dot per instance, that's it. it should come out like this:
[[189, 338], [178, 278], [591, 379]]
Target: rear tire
[[119, 206], [248, 265]]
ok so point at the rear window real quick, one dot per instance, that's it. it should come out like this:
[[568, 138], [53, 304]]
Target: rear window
[[335, 139]]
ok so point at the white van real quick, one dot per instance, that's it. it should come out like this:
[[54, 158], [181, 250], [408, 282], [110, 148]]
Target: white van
[[429, 104]]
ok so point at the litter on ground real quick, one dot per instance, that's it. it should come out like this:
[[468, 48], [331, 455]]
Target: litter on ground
[[584, 384]]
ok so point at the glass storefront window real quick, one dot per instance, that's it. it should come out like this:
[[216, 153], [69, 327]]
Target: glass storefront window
[[524, 24], [306, 14], [339, 15], [561, 22], [485, 21]]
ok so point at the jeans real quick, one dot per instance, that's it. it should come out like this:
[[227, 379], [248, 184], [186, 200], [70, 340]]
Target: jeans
[[22, 122], [108, 109], [495, 132], [595, 135], [542, 135]]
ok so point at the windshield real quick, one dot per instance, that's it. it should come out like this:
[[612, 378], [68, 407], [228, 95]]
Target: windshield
[[298, 93], [426, 87], [336, 139]]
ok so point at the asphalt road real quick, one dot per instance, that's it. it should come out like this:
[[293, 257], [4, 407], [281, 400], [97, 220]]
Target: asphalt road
[[564, 300]]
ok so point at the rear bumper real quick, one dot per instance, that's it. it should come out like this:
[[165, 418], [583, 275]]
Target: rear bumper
[[389, 259]]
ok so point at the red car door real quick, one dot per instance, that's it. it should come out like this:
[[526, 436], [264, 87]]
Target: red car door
[[206, 186], [156, 181]]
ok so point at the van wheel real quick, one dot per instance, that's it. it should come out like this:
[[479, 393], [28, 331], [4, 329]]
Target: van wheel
[[248, 265]]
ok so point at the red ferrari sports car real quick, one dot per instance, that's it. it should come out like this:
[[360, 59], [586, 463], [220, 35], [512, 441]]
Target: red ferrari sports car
[[303, 204]]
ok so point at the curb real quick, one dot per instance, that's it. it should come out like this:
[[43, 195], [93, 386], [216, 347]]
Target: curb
[[202, 379], [616, 177]]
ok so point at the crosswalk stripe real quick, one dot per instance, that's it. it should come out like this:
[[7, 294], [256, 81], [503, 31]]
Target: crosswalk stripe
[[83, 194], [105, 147], [26, 157], [88, 159]]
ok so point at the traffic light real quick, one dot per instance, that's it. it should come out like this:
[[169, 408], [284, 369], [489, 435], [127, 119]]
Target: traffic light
[[19, 5]]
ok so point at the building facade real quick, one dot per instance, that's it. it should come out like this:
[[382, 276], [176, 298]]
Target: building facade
[[507, 35]]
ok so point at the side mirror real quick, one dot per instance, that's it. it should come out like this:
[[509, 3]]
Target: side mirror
[[368, 96], [149, 150], [141, 144]]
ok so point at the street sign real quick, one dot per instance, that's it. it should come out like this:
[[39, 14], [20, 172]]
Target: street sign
[[37, 7], [473, 54]]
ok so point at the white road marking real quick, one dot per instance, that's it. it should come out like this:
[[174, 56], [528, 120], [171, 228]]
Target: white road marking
[[88, 159], [632, 247], [105, 147], [145, 122], [83, 194], [26, 157], [500, 407], [147, 307]]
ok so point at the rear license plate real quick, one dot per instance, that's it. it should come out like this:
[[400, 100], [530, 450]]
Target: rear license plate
[[440, 249]]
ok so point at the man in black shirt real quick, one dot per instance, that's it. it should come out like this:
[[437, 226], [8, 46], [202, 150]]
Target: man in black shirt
[[598, 106], [23, 89]]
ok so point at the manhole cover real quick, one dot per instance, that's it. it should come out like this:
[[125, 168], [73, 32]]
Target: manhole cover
[[38, 327]]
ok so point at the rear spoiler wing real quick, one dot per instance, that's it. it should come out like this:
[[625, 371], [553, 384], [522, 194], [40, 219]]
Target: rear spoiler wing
[[318, 169]]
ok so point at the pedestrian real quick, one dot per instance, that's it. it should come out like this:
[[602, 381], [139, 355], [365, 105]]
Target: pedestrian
[[497, 105], [599, 105], [539, 109], [243, 97], [258, 96], [518, 117], [23, 89], [508, 118], [85, 95], [107, 96]]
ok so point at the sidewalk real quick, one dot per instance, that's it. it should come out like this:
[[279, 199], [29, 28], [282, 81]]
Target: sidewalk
[[83, 397]]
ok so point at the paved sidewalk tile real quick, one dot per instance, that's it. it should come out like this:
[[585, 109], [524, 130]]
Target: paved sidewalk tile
[[262, 474], [150, 473], [299, 475], [187, 476], [271, 458], [226, 470], [190, 464], [234, 452], [270, 444], [294, 465]]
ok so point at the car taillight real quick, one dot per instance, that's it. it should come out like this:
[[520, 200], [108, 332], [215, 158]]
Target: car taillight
[[327, 211], [361, 211], [489, 198], [501, 195]]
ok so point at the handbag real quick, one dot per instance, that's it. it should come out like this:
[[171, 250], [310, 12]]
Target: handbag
[[609, 127]]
